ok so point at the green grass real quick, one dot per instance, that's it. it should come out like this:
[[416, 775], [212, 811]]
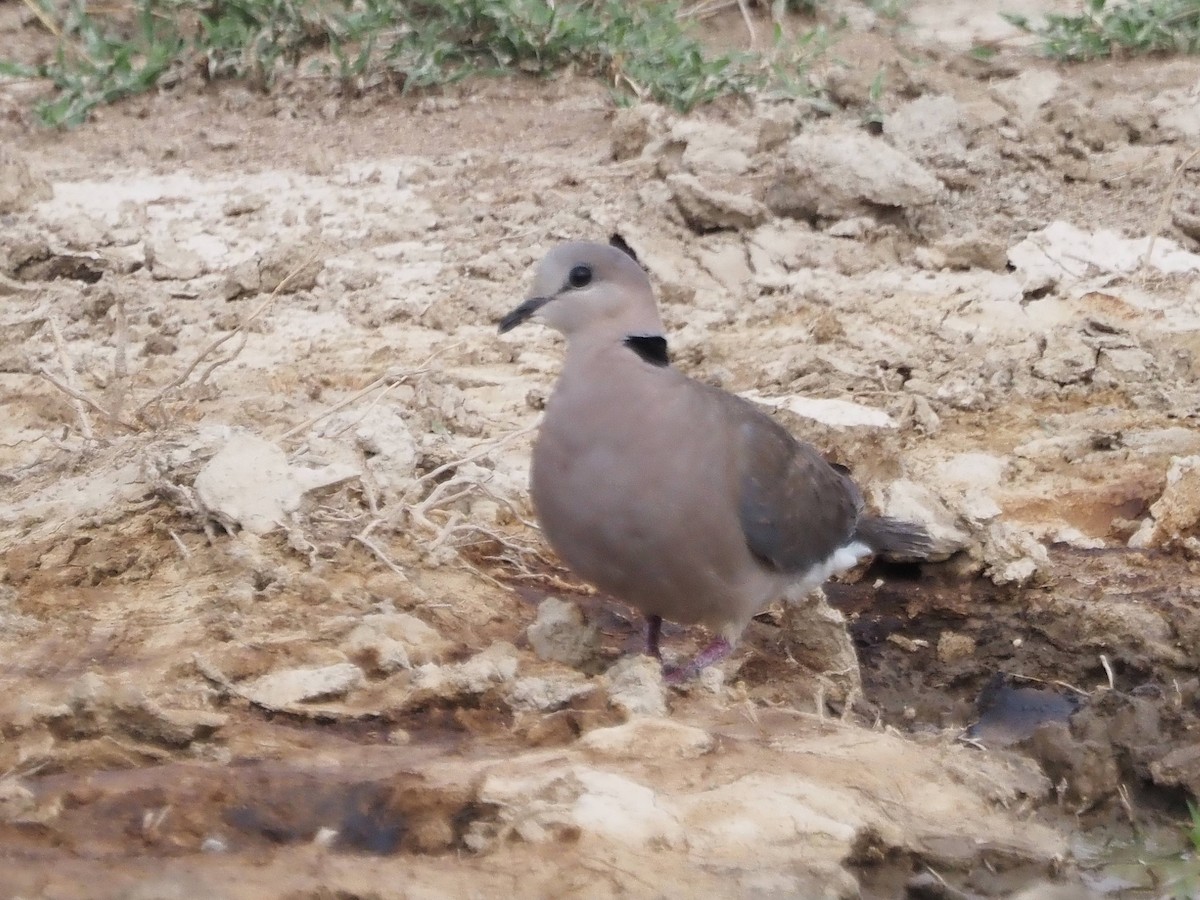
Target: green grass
[[641, 49], [1132, 28]]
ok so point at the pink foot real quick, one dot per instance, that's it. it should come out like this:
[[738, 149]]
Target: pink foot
[[714, 652]]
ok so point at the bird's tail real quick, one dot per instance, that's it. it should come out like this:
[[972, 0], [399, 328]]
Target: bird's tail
[[894, 537]]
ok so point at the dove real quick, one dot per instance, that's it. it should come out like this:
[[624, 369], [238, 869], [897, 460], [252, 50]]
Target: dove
[[683, 500]]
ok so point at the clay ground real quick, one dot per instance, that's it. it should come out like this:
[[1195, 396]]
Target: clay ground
[[265, 604]]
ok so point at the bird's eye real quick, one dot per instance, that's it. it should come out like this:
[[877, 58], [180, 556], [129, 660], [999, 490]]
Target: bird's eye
[[581, 276]]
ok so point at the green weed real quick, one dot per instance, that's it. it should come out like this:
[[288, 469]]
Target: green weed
[[1104, 29], [642, 50]]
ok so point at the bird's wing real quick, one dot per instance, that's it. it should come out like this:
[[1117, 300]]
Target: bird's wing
[[795, 508]]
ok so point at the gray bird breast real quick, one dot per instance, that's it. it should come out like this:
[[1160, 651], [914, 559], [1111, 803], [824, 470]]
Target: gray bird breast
[[639, 497]]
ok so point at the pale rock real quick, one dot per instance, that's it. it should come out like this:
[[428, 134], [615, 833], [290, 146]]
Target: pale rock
[[547, 693], [148, 721], [714, 148], [1178, 113], [778, 247], [633, 128], [819, 639], [551, 800], [1010, 555], [914, 502], [421, 642], [649, 738], [286, 268], [387, 443], [250, 483], [775, 125], [1127, 364], [857, 228], [635, 685], [978, 508], [766, 810], [975, 250], [618, 809], [378, 653], [930, 125], [1063, 254], [20, 187], [827, 410], [710, 209], [168, 261], [561, 634], [492, 667], [953, 647], [1180, 767], [1066, 360], [1175, 515], [286, 688], [1048, 891], [97, 705], [836, 175], [1027, 93], [728, 265], [17, 802]]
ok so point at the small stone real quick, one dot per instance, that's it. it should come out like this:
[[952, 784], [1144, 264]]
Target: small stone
[[1128, 364], [714, 148], [633, 128], [548, 693], [1066, 360], [953, 647], [287, 268], [399, 737], [312, 589], [709, 209], [16, 801], [974, 251], [635, 685], [375, 652], [390, 588], [561, 634], [219, 140], [20, 188], [494, 666], [649, 738], [1175, 515], [158, 345], [837, 175], [279, 690], [243, 204], [168, 261], [388, 642]]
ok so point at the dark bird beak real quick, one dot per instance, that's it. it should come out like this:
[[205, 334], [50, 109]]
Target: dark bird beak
[[522, 313]]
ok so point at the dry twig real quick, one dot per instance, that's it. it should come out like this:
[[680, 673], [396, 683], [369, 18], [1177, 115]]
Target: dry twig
[[262, 307], [1164, 208], [745, 10], [393, 380], [46, 21], [64, 360]]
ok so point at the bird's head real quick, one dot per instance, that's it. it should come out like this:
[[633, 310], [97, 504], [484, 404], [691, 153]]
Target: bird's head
[[589, 288]]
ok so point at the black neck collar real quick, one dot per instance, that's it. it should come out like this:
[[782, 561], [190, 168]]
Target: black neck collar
[[650, 347]]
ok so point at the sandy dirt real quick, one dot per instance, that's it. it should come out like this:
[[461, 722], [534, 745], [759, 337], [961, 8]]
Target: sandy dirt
[[275, 620]]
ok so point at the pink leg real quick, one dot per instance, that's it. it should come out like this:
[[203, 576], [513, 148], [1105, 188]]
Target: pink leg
[[714, 652], [653, 633]]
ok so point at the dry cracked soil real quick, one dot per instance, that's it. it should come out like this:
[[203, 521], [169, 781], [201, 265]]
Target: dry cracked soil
[[275, 620]]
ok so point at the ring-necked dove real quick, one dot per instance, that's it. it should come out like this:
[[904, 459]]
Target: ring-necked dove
[[681, 499]]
